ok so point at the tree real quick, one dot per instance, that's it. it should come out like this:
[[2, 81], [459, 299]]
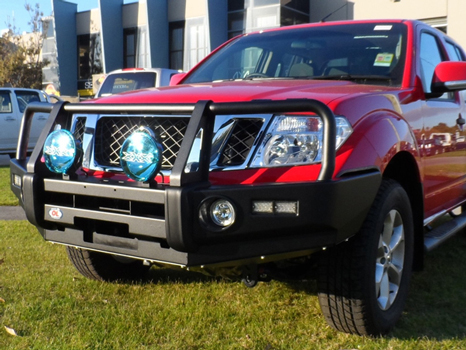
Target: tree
[[20, 55]]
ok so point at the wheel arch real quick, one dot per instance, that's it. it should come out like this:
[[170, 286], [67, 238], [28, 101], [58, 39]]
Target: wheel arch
[[403, 169]]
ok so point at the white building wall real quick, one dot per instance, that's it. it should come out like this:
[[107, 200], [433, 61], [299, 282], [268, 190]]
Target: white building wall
[[456, 21], [405, 9], [450, 12]]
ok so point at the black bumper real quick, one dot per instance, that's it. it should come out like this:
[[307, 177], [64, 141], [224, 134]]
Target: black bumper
[[164, 223]]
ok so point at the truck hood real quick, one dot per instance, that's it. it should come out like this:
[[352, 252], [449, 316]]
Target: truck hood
[[322, 90]]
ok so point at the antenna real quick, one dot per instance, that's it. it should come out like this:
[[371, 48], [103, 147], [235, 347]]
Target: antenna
[[331, 13]]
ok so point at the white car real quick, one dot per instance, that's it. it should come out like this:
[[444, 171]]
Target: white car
[[13, 102], [128, 79]]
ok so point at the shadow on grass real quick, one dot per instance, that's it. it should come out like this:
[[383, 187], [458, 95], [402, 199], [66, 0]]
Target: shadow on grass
[[435, 309], [175, 275], [436, 305]]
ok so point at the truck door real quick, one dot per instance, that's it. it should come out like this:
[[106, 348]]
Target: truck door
[[9, 122], [444, 156]]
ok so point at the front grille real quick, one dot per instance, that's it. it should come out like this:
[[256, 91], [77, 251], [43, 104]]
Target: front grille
[[79, 127], [111, 132], [240, 142]]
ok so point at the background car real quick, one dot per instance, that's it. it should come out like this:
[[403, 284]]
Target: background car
[[128, 79], [13, 102]]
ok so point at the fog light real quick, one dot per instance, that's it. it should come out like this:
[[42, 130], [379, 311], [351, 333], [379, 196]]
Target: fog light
[[222, 213], [59, 151], [141, 155]]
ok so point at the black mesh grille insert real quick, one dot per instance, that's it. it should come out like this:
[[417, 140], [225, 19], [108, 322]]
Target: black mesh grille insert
[[240, 142], [111, 132], [79, 128]]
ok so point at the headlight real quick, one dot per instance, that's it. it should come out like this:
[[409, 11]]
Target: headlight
[[293, 140]]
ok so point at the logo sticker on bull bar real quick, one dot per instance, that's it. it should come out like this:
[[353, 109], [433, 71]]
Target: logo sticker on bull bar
[[55, 213]]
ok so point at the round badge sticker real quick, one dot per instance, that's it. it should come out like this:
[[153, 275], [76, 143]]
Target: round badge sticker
[[55, 213]]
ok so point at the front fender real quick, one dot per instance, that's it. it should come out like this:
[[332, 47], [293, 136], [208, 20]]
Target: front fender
[[376, 139]]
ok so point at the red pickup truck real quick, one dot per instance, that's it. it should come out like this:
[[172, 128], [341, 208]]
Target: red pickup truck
[[286, 151]]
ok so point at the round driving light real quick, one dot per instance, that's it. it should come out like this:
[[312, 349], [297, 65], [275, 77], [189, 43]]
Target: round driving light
[[222, 213], [59, 151], [141, 155]]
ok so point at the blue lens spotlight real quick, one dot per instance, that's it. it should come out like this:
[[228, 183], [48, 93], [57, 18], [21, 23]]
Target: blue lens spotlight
[[59, 151], [141, 155]]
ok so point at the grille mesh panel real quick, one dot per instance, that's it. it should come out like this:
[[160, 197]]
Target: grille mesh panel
[[111, 132], [240, 142], [79, 127]]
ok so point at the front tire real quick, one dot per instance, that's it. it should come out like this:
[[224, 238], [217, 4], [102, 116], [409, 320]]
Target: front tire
[[105, 267], [363, 283]]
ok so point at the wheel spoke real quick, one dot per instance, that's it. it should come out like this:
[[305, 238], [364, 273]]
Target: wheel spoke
[[388, 227], [389, 260], [394, 274], [379, 271], [384, 292], [397, 237]]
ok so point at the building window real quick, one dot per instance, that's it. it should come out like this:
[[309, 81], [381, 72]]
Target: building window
[[294, 12], [176, 37], [302, 6], [89, 55], [89, 61], [195, 43], [235, 5], [236, 18], [130, 36]]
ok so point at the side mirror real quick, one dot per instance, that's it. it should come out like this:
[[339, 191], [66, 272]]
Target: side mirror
[[449, 76], [176, 78]]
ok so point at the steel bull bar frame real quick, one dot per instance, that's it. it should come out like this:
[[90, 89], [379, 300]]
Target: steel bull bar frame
[[202, 113]]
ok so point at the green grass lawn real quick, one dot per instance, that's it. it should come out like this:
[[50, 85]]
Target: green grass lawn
[[6, 196], [51, 306]]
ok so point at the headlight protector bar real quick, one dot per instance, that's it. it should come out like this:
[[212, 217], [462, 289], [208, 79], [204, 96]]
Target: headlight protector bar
[[202, 119]]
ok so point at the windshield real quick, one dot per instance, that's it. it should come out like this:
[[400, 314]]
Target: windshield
[[121, 82], [370, 52]]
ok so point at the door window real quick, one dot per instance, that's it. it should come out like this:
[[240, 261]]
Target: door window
[[5, 102], [26, 97], [430, 57]]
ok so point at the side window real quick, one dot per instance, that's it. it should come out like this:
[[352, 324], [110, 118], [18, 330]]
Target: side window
[[26, 97], [453, 52], [430, 56], [5, 102]]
